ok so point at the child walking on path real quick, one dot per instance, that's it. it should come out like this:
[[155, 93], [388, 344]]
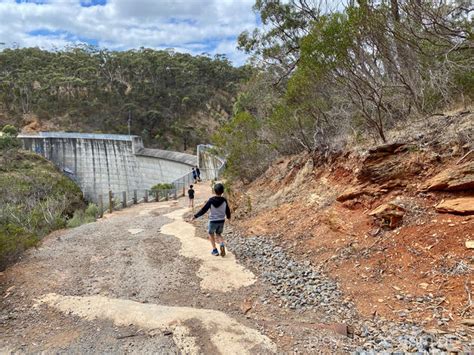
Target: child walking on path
[[191, 197], [219, 208]]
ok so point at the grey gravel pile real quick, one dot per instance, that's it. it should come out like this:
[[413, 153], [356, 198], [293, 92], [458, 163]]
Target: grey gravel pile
[[298, 286]]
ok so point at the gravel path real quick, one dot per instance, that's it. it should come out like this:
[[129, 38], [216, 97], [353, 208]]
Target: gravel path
[[132, 282], [142, 281]]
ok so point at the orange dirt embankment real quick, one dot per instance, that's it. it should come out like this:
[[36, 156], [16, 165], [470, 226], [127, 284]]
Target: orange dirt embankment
[[408, 262]]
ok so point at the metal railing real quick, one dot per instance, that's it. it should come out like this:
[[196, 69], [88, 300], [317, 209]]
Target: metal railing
[[117, 201], [181, 183]]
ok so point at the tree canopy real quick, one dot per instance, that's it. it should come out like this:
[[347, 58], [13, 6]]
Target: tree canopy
[[351, 72], [169, 96]]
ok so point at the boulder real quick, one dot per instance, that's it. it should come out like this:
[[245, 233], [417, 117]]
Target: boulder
[[387, 148], [462, 205], [387, 163], [354, 192], [390, 214], [453, 179]]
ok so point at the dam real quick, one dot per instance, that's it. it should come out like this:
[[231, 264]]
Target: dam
[[100, 163]]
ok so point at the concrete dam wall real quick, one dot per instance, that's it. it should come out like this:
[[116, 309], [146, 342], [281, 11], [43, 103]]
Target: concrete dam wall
[[100, 163], [209, 162]]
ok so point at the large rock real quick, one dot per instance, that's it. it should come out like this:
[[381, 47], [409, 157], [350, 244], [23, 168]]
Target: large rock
[[462, 205], [387, 163], [390, 214], [453, 179], [354, 192]]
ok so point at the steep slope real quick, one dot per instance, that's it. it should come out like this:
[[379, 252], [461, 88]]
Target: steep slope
[[35, 198], [375, 219]]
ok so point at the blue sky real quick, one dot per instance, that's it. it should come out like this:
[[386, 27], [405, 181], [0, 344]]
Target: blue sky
[[192, 26]]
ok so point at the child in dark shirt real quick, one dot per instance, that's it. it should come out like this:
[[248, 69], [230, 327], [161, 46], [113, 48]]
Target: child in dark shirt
[[219, 210], [191, 197]]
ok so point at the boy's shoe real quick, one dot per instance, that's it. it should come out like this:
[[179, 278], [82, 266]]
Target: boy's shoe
[[222, 250], [215, 252]]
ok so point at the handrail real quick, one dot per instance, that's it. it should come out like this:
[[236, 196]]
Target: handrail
[[179, 187], [183, 181], [115, 201]]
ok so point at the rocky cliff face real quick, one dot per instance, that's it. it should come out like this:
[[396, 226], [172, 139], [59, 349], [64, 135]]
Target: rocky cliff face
[[392, 224]]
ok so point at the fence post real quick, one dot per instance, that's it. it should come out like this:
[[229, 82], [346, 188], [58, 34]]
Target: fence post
[[157, 195], [175, 194], [145, 198], [124, 199], [111, 201], [135, 198], [101, 206]]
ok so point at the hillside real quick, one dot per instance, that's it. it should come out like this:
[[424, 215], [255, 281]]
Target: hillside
[[308, 268], [36, 198], [392, 224], [174, 100]]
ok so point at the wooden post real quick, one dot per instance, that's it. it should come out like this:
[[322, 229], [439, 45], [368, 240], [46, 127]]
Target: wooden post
[[124, 199], [145, 198], [111, 202], [135, 198], [157, 195], [101, 206], [175, 194], [167, 197]]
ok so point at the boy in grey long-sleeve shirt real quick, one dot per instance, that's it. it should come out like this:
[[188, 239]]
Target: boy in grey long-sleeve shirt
[[219, 210]]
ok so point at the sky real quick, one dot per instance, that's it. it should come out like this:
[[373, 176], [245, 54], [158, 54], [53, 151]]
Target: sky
[[191, 26]]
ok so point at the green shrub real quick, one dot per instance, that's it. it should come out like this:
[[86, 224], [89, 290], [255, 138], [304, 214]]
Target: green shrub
[[10, 130], [239, 142], [35, 200], [92, 211], [81, 217], [13, 241], [160, 187], [76, 220], [9, 142]]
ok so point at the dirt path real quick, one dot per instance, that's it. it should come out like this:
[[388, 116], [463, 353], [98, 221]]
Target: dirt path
[[140, 280], [217, 274]]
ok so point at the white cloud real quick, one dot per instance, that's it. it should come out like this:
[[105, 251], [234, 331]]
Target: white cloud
[[192, 26]]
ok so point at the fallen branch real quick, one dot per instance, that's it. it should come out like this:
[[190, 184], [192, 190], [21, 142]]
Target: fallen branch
[[464, 156], [127, 336], [469, 299]]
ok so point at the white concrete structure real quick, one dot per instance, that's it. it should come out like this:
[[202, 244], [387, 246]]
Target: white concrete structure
[[100, 163], [164, 166], [209, 162]]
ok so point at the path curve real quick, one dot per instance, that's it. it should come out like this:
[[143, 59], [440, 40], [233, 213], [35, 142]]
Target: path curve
[[217, 274], [123, 274]]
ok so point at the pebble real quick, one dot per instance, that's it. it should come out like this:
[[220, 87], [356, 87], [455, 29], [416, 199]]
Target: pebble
[[301, 287]]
